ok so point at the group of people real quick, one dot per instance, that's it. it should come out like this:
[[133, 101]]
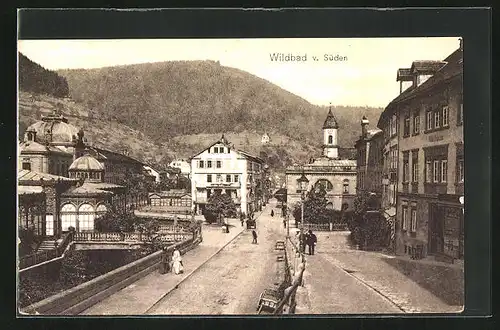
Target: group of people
[[309, 239]]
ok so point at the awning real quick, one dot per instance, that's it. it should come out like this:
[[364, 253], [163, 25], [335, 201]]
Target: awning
[[25, 190]]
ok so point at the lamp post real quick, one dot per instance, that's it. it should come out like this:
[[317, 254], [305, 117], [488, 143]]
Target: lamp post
[[303, 181]]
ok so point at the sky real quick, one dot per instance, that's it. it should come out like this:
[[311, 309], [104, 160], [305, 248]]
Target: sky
[[366, 75]]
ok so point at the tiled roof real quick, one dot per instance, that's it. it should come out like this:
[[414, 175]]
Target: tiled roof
[[93, 188], [427, 66], [373, 132], [404, 74], [452, 68], [107, 154], [25, 175]]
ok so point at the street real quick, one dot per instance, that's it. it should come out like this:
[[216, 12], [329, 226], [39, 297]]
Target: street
[[230, 282]]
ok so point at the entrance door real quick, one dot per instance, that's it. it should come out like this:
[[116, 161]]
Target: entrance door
[[436, 229]]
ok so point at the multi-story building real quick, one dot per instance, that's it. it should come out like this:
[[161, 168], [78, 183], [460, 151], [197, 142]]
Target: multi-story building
[[335, 174], [222, 168], [429, 169], [369, 162]]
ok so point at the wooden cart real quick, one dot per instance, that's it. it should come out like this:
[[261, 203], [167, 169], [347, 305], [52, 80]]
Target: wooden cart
[[268, 301]]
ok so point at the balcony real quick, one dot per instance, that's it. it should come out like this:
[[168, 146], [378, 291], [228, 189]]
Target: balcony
[[435, 188]]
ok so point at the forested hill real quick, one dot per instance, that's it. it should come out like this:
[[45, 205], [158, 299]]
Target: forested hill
[[170, 99], [36, 79]]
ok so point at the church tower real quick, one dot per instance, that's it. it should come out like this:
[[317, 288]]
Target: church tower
[[330, 128]]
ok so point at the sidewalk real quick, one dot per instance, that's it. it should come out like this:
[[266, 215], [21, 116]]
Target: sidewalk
[[415, 286], [138, 297]]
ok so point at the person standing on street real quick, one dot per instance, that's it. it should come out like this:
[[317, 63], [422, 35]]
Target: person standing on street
[[284, 223], [272, 213], [312, 239], [254, 235]]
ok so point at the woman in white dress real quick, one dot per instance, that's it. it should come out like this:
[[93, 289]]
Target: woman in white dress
[[177, 266]]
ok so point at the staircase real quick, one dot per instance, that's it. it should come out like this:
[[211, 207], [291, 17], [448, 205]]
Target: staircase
[[47, 245]]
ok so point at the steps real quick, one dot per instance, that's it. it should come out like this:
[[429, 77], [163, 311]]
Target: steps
[[47, 245]]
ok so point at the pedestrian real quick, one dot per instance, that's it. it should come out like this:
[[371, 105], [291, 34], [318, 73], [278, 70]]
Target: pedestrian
[[254, 235], [242, 219], [284, 223], [306, 241], [311, 242], [177, 265], [272, 213]]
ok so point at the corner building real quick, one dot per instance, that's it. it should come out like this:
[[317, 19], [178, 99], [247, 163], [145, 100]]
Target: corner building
[[430, 164]]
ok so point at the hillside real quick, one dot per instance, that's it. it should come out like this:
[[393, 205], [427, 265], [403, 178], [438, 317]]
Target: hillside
[[171, 99], [34, 78]]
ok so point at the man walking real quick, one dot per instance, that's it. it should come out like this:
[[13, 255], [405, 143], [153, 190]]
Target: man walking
[[311, 238]]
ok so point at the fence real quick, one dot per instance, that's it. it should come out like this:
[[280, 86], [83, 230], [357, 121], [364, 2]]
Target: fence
[[296, 263], [325, 226], [43, 256]]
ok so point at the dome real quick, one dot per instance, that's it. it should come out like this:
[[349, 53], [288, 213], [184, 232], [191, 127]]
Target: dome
[[54, 129], [86, 163]]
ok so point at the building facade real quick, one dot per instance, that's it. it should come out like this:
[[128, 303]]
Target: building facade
[[222, 168], [369, 160], [336, 175], [430, 162]]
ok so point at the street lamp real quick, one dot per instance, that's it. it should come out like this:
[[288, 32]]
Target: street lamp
[[303, 186]]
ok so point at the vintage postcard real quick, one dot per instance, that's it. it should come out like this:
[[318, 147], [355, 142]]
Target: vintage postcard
[[240, 176]]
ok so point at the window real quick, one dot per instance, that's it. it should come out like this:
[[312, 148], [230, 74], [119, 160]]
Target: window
[[437, 119], [216, 150], [413, 223], [444, 170], [218, 164], [49, 224], [101, 210], [436, 171], [200, 164], [414, 165], [393, 126], [346, 186], [406, 127], [327, 185], [236, 178], [27, 166], [68, 216], [406, 167], [428, 124], [209, 164], [228, 177], [330, 139], [460, 170], [209, 177], [218, 178], [428, 171], [445, 116], [416, 123], [404, 224], [86, 217]]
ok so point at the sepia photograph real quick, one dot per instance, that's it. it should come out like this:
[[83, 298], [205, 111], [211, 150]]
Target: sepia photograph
[[240, 176]]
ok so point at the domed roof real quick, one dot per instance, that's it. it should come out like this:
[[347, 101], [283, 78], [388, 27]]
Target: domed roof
[[86, 163], [54, 129], [330, 121]]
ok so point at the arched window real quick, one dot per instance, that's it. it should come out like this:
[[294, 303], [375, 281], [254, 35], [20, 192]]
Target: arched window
[[68, 216], [330, 139], [346, 186], [86, 217], [100, 210], [327, 185]]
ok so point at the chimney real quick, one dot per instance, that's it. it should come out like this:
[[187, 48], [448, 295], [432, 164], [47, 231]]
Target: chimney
[[364, 126]]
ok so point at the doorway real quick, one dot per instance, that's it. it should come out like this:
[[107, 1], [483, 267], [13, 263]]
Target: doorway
[[436, 229]]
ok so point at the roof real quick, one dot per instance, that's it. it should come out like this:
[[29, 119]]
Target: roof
[[88, 188], [426, 66], [35, 147], [330, 121], [54, 128], [86, 163], [373, 132], [110, 155], [453, 68], [25, 175], [29, 190], [404, 74], [226, 143], [324, 164], [171, 194]]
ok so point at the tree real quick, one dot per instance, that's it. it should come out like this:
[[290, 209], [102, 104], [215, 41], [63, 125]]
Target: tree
[[367, 225], [219, 205], [315, 210], [116, 221]]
